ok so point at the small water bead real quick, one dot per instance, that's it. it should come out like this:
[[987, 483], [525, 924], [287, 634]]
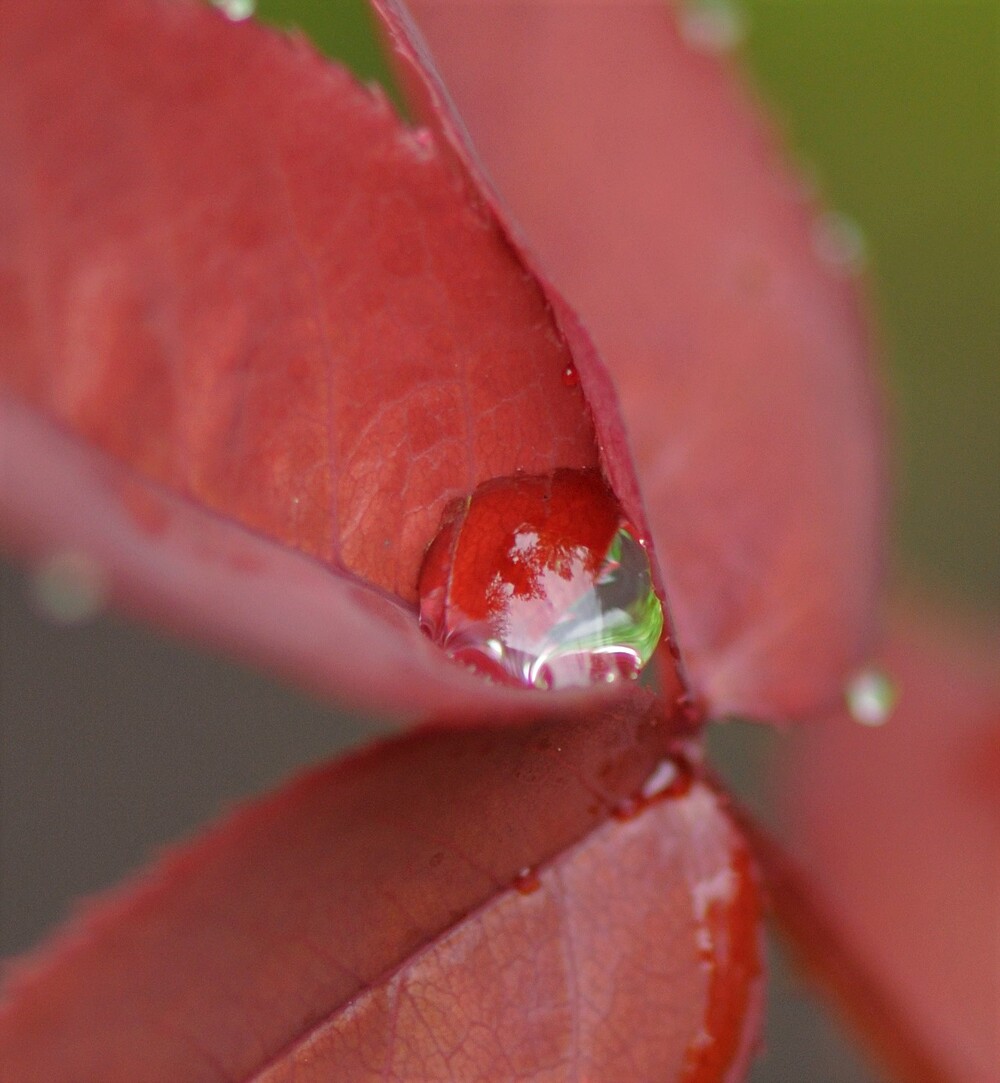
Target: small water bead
[[691, 709], [670, 780], [570, 377], [840, 243], [672, 777], [236, 10], [871, 696], [541, 582], [712, 26], [527, 881], [70, 588]]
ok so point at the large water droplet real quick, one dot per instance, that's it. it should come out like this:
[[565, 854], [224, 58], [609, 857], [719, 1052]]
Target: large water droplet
[[871, 696], [541, 582]]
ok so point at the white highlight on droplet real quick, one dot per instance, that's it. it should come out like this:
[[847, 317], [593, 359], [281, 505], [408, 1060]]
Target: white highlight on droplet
[[236, 10], [712, 26], [871, 696], [839, 242], [664, 775], [70, 587]]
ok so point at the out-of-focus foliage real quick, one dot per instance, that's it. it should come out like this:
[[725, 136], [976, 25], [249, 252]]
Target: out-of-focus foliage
[[898, 106]]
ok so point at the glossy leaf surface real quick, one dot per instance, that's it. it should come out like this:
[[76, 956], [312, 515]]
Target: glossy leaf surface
[[232, 270], [653, 196], [446, 906], [896, 832]]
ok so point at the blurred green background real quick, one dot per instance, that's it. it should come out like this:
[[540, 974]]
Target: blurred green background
[[115, 740]]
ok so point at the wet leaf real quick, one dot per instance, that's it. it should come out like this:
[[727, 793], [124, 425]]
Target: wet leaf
[[656, 200], [444, 906], [232, 271], [895, 833]]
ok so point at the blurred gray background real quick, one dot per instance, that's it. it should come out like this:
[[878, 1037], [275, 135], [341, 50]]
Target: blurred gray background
[[115, 741]]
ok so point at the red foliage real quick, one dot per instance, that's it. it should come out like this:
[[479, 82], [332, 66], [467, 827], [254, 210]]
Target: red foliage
[[255, 336], [371, 921], [653, 197], [231, 268], [895, 832]]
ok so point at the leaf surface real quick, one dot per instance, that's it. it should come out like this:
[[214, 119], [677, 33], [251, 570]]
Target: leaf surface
[[232, 271], [375, 921], [897, 839], [655, 199]]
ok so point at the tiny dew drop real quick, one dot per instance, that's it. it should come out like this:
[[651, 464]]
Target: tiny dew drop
[[70, 588], [840, 243], [670, 778], [712, 26], [871, 696], [570, 376], [527, 881], [235, 10], [541, 582]]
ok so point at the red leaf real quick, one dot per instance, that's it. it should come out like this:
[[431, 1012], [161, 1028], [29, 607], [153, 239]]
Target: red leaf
[[656, 200], [201, 574], [372, 921], [231, 269], [896, 834]]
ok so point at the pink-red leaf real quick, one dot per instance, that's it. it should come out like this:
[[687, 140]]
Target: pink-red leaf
[[896, 835], [654, 198], [231, 270], [447, 906], [167, 559]]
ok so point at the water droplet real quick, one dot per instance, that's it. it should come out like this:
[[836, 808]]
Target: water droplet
[[712, 26], [570, 377], [871, 696], [527, 881], [541, 582], [235, 10], [690, 709], [705, 945], [422, 142], [70, 588], [839, 243], [670, 778], [627, 808]]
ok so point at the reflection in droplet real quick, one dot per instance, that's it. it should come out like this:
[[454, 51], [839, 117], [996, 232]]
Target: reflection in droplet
[[70, 588], [712, 26], [570, 376], [839, 243], [871, 696], [235, 10], [541, 582]]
